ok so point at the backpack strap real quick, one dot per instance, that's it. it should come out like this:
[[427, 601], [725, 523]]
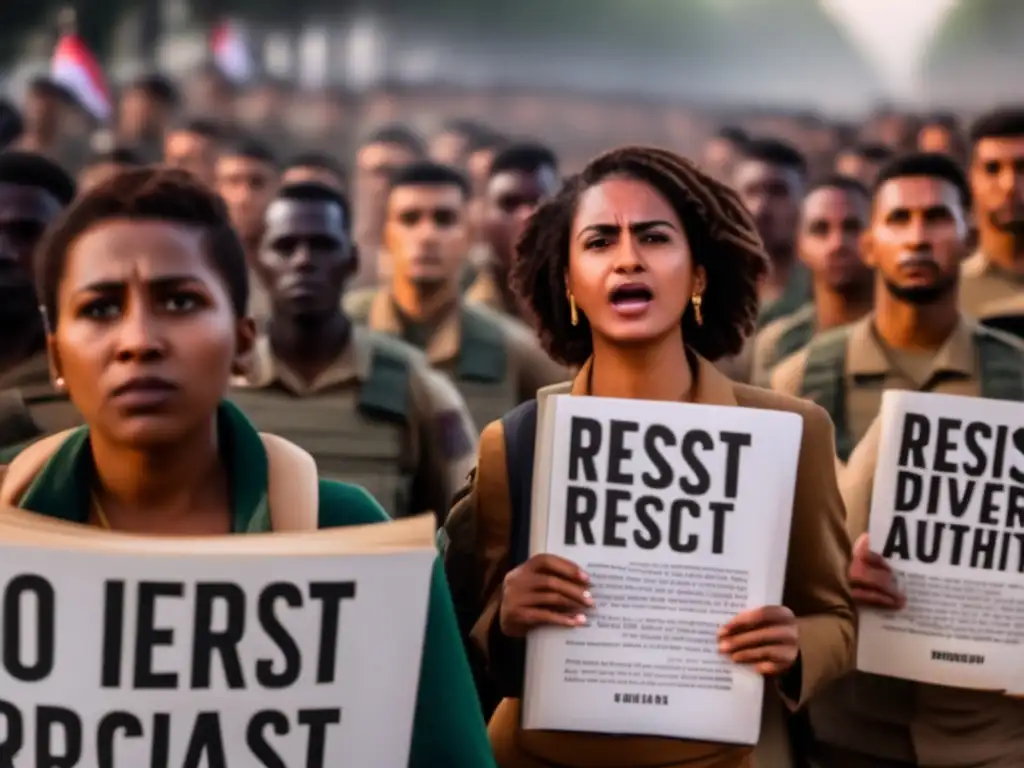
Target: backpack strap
[[293, 485], [1001, 365], [520, 429], [482, 354], [824, 383], [386, 391]]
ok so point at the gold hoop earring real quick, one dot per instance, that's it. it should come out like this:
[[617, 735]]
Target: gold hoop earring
[[697, 314], [59, 382], [574, 316]]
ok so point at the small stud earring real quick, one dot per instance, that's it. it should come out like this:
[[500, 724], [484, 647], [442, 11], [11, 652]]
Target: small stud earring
[[59, 382], [697, 314]]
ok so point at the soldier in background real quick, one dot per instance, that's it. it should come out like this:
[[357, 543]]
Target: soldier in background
[[771, 177], [522, 177], [940, 133], [915, 338], [146, 112], [195, 146], [33, 192], [833, 217], [382, 153], [723, 150], [247, 178], [992, 282], [366, 406], [496, 363]]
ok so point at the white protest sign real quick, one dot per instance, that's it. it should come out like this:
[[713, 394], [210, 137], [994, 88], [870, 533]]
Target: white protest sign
[[680, 514], [111, 660], [947, 512]]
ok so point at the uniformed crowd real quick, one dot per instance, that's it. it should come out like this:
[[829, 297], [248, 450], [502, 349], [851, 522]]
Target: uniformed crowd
[[399, 327]]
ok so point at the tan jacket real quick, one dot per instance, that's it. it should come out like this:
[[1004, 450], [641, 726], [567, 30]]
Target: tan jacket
[[816, 589], [987, 291]]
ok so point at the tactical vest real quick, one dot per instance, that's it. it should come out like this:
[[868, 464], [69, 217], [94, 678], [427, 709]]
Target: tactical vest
[[360, 437], [797, 336], [1000, 368], [481, 370], [33, 411]]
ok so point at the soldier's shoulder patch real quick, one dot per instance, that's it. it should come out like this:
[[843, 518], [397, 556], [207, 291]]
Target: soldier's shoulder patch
[[455, 438]]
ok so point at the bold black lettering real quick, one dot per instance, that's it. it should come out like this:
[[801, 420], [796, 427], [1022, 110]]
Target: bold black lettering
[[14, 733], [959, 531], [318, 720], [975, 432], [916, 432], [160, 755], [944, 444], [644, 506], [255, 738], [225, 642], [1018, 442], [719, 509], [583, 453], [923, 552], [206, 747], [960, 500], [702, 482], [330, 593], [48, 718], [612, 516], [675, 525], [618, 453], [734, 441], [46, 628], [934, 495], [990, 504], [148, 636], [983, 549], [265, 674], [909, 488], [580, 517], [111, 723], [652, 437], [1015, 507], [113, 634], [999, 455], [897, 541]]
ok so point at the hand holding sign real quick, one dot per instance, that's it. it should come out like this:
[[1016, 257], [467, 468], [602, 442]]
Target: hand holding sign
[[766, 637], [872, 581], [544, 590]]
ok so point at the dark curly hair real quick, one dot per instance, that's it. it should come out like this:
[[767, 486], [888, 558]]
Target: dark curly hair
[[147, 193], [721, 234]]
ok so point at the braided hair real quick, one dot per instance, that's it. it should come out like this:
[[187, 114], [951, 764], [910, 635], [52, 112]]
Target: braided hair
[[722, 237]]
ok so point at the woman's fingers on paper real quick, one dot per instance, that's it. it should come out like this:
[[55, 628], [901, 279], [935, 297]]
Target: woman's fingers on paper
[[780, 657], [558, 585], [769, 615], [556, 600], [559, 566], [862, 551], [754, 641]]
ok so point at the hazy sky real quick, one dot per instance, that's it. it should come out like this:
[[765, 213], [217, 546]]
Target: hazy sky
[[893, 34]]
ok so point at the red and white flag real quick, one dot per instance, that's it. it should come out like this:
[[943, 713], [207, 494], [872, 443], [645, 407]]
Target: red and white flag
[[231, 51], [77, 70]]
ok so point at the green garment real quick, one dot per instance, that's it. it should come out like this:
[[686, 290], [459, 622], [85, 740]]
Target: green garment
[[798, 291], [449, 728]]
